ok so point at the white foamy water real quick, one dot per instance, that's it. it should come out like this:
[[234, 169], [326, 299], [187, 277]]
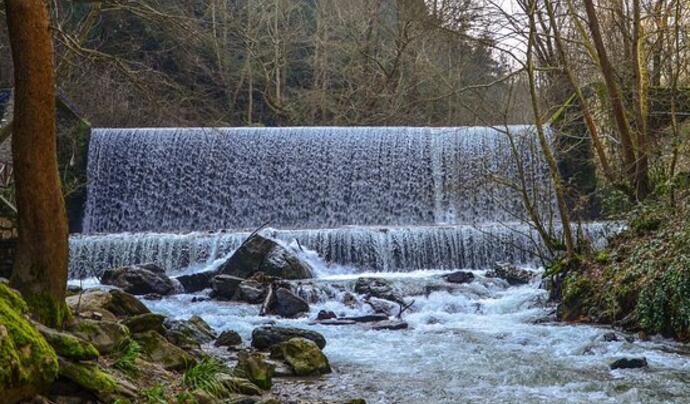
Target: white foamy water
[[477, 343]]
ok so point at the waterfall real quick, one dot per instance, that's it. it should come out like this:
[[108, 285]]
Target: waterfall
[[381, 249], [181, 180]]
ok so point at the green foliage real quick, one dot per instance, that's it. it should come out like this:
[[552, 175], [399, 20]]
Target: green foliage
[[615, 202], [601, 257], [127, 354], [664, 305], [205, 376], [155, 395], [185, 397]]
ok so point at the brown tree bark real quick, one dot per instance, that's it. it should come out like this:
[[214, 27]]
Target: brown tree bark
[[40, 268], [619, 113]]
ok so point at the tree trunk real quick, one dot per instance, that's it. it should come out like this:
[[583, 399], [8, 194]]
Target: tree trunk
[[40, 268]]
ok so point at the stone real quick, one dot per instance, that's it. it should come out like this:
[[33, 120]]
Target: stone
[[610, 337], [108, 305], [105, 336], [189, 334], [390, 325], [256, 369], [28, 363], [629, 363], [266, 337], [284, 303], [197, 282], [240, 384], [349, 299], [263, 254], [92, 378], [511, 274], [251, 291], [336, 321], [325, 315], [303, 356], [67, 345], [140, 279], [378, 287], [228, 338], [145, 322], [159, 350], [382, 306], [225, 286], [459, 277]]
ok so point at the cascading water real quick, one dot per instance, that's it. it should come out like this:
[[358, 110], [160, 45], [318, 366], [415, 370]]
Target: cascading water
[[406, 204], [240, 178]]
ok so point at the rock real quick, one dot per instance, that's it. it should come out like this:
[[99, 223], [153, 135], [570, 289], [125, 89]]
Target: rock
[[325, 315], [159, 350], [459, 277], [303, 356], [139, 279], [284, 303], [262, 254], [610, 337], [241, 385], [371, 318], [197, 282], [225, 286], [68, 346], [266, 337], [390, 325], [92, 378], [512, 274], [27, 363], [105, 335], [251, 291], [349, 299], [629, 363], [256, 369], [108, 304], [145, 322], [228, 338], [189, 334], [379, 288], [382, 306]]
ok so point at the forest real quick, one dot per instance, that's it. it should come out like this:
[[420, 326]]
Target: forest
[[361, 201]]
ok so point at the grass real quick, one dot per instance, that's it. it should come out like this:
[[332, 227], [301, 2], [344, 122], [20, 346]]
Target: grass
[[127, 355], [204, 376], [155, 395]]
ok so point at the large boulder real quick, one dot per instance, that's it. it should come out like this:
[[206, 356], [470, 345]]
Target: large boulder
[[27, 363], [159, 350], [266, 337], [189, 334], [108, 305], [511, 274], [91, 377], [262, 254], [378, 287], [228, 338], [140, 280], [303, 355], [284, 303], [196, 282], [225, 286], [67, 345], [145, 322], [105, 335]]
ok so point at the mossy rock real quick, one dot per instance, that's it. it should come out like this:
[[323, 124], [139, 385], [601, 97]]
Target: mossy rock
[[28, 364], [106, 336], [240, 385], [303, 356], [253, 367], [67, 345], [110, 304], [159, 350], [94, 379], [145, 322]]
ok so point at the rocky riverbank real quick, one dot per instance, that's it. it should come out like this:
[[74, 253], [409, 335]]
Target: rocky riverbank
[[639, 283]]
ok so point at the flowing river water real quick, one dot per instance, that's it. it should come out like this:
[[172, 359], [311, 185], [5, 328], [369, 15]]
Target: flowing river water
[[406, 204]]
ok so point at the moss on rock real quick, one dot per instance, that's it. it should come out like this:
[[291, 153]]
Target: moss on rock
[[27, 363], [159, 350], [303, 356], [67, 345], [92, 378]]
